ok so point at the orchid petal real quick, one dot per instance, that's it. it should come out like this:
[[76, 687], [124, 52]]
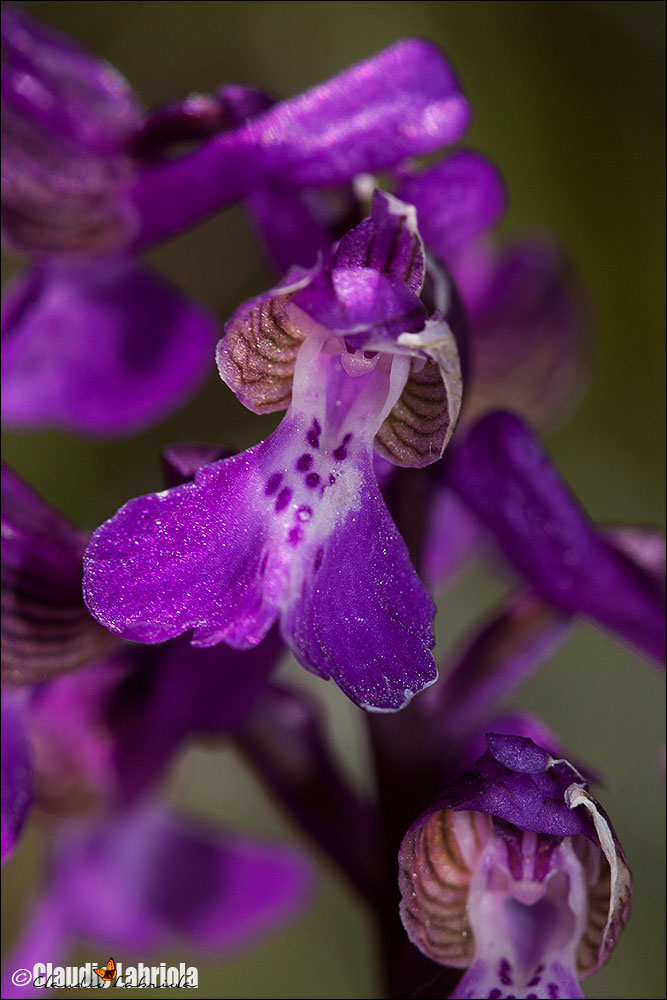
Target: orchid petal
[[46, 627], [456, 201], [529, 324], [67, 122], [363, 617], [403, 102], [504, 476], [169, 881], [100, 348], [16, 770]]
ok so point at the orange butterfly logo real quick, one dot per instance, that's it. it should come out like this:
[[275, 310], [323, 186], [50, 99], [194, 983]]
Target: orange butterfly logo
[[110, 973]]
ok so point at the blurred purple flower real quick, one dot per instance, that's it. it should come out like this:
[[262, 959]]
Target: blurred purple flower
[[87, 183], [504, 477], [146, 880], [516, 875], [46, 628], [16, 783], [296, 527]]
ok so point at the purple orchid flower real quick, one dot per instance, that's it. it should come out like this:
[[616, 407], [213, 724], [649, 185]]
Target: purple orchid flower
[[296, 527], [147, 880], [516, 875], [87, 184]]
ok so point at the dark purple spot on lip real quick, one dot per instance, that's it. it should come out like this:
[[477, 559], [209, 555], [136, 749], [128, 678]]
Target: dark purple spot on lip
[[332, 479], [318, 559], [294, 536], [341, 451], [553, 991], [494, 994], [304, 462], [505, 972], [532, 996], [283, 499], [273, 482], [536, 979], [262, 568], [313, 439], [312, 480], [370, 354], [316, 426]]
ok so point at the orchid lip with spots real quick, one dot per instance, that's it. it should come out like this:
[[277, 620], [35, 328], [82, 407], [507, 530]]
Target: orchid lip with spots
[[296, 527]]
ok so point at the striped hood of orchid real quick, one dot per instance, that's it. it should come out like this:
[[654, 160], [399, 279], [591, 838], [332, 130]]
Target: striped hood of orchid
[[516, 875], [296, 528]]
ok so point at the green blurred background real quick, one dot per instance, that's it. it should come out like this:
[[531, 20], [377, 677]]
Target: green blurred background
[[569, 102]]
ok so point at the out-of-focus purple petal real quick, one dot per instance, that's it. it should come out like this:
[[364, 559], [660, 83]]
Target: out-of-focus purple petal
[[72, 744], [46, 627], [403, 102], [76, 95], [285, 742], [363, 616], [456, 201], [170, 881], [67, 122], [529, 324], [643, 546], [506, 478], [181, 693], [16, 770], [452, 537], [43, 940], [296, 224], [100, 348]]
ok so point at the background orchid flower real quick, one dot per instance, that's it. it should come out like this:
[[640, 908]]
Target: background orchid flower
[[274, 531], [87, 182], [515, 874], [170, 883]]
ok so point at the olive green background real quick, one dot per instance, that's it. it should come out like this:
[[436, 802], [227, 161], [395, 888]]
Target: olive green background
[[569, 101]]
